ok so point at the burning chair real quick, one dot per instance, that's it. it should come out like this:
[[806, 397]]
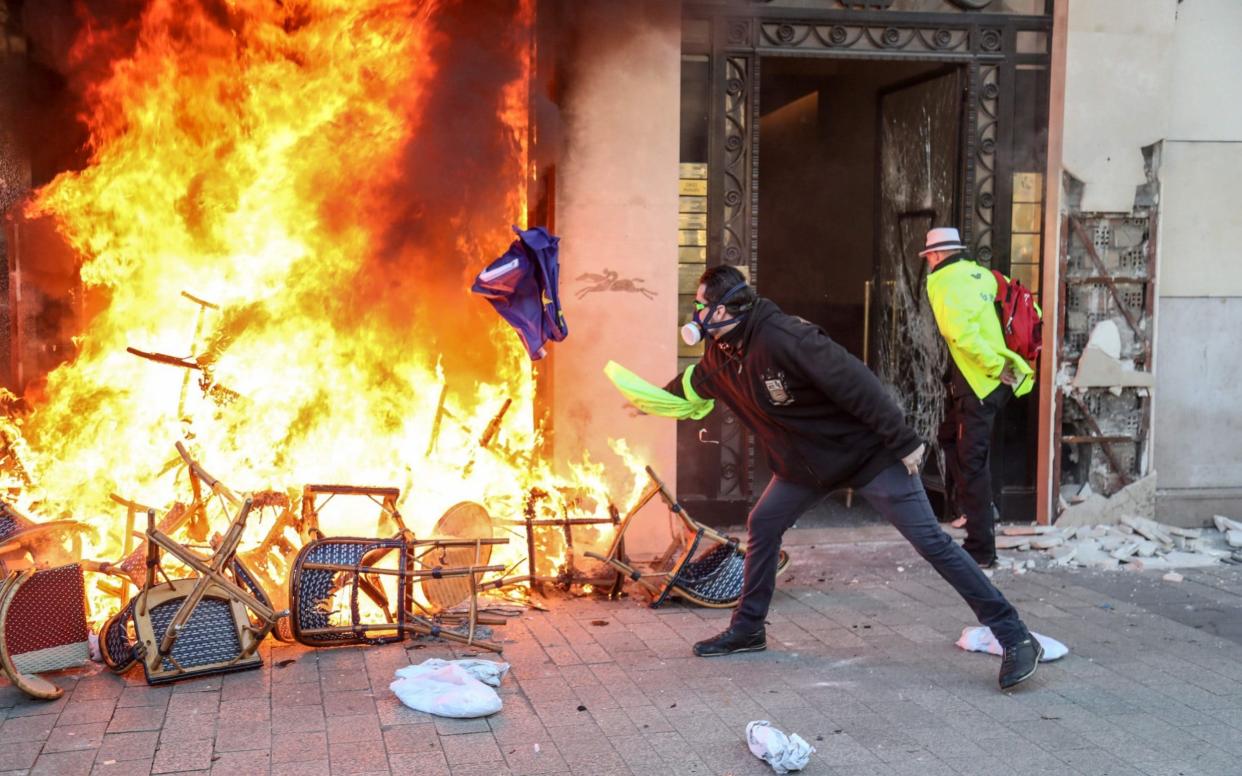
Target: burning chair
[[534, 526], [212, 623], [701, 565], [330, 574], [25, 543], [537, 528], [198, 625]]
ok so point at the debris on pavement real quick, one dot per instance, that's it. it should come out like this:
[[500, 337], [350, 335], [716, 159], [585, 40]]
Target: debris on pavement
[[784, 753], [1133, 543]]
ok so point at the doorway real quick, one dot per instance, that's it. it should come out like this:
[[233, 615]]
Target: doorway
[[858, 160], [832, 221]]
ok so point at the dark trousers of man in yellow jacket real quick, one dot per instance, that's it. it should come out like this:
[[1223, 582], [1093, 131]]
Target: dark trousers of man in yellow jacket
[[967, 452]]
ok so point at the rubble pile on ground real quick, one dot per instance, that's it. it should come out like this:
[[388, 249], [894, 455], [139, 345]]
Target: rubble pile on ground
[[1135, 543]]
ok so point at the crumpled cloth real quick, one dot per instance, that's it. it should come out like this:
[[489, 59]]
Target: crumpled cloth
[[980, 639], [486, 671], [451, 688], [654, 400], [784, 753]]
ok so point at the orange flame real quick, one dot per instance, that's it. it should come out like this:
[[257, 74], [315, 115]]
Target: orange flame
[[249, 155]]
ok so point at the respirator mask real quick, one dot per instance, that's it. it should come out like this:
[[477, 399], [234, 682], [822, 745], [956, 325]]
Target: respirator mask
[[697, 329]]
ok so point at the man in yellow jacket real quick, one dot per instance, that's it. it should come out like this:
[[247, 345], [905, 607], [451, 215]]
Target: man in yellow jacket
[[984, 374]]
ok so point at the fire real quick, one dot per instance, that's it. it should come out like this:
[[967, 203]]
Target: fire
[[255, 167]]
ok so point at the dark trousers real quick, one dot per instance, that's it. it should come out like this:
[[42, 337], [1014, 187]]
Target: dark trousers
[[901, 499], [968, 455]]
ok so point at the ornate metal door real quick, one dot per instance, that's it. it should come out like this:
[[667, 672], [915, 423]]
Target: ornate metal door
[[920, 176]]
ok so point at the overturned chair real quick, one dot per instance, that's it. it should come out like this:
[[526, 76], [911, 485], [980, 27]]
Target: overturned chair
[[27, 544], [42, 627], [338, 594], [700, 565], [189, 627]]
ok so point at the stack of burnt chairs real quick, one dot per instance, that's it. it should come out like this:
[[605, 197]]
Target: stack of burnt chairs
[[341, 590]]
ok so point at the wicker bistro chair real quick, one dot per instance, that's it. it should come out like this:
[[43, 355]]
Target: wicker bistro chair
[[194, 626], [116, 640], [701, 565], [327, 566], [42, 627], [117, 634], [26, 544]]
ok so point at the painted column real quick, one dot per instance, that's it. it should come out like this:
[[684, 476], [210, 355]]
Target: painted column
[[616, 211]]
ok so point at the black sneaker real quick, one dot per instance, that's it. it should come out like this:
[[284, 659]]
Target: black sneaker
[[1020, 662], [732, 640]]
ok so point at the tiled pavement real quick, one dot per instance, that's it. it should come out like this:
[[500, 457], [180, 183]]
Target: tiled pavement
[[861, 663]]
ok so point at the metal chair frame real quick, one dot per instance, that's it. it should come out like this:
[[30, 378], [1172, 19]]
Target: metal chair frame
[[660, 577]]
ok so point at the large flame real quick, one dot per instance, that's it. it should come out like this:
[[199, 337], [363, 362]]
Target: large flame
[[265, 157]]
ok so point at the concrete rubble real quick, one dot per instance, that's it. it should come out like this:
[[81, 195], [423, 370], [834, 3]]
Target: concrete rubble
[[1137, 498], [1232, 530], [1133, 543]]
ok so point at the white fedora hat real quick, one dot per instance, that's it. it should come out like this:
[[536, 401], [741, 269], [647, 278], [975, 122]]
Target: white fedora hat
[[943, 238]]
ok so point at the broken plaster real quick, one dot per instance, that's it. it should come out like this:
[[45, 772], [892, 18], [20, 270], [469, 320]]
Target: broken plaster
[[1101, 365]]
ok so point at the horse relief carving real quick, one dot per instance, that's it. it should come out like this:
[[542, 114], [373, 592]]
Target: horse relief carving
[[610, 281]]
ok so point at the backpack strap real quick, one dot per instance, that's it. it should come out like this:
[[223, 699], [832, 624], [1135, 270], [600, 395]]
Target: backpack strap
[[1002, 286]]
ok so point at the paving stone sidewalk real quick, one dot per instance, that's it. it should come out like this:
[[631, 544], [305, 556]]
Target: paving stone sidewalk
[[861, 663]]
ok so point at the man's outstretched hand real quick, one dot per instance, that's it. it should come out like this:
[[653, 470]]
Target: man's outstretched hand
[[914, 459]]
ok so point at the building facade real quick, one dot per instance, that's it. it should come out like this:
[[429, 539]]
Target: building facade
[[1087, 148]]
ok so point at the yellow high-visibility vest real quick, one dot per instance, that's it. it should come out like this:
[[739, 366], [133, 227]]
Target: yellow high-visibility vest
[[963, 299]]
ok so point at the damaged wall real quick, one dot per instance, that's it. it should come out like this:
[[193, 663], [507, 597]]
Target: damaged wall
[[616, 211], [1158, 73]]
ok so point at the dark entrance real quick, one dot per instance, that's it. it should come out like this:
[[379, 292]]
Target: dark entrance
[[859, 159]]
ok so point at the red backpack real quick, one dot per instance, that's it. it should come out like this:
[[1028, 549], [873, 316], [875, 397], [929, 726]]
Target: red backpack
[[1020, 319]]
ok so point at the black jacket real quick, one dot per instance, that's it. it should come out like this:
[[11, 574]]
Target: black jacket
[[820, 414]]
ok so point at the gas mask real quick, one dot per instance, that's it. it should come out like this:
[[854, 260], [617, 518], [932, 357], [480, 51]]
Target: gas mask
[[697, 329]]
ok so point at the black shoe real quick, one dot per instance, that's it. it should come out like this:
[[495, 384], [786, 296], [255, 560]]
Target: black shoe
[[1020, 662], [732, 640]]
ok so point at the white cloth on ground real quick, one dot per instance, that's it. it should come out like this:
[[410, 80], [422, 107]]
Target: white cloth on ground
[[486, 671], [451, 688], [784, 753], [979, 638]]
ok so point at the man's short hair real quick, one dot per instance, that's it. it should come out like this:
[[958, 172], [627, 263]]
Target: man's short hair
[[719, 279]]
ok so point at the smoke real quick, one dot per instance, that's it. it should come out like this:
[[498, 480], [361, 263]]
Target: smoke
[[452, 205], [438, 219], [57, 33]]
